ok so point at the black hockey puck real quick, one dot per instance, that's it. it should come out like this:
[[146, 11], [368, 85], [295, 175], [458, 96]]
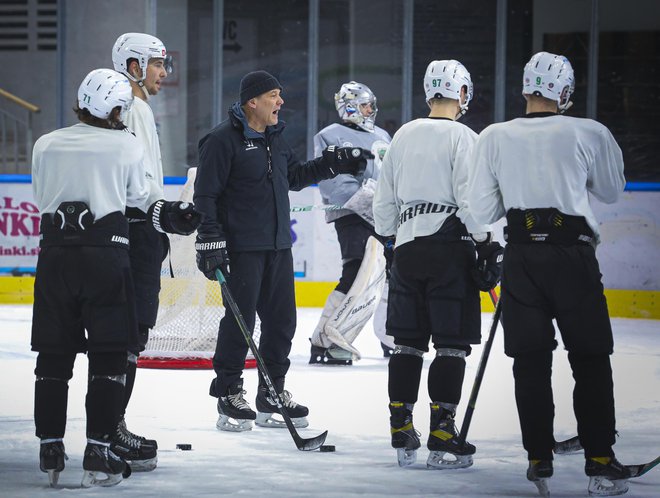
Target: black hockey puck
[[327, 448], [184, 446]]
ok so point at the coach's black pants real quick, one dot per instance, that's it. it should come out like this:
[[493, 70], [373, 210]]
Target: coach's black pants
[[261, 282], [542, 282]]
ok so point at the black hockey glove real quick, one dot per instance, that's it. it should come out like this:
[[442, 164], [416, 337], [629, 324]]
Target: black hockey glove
[[346, 160], [174, 217], [488, 272], [211, 254], [388, 252]]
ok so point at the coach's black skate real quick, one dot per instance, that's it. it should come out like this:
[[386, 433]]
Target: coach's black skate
[[443, 441], [333, 355], [51, 458], [607, 476], [539, 471], [404, 436], [143, 440], [100, 461], [235, 415], [141, 457], [267, 407]]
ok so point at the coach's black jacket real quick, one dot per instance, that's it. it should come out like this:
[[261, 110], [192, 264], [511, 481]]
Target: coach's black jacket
[[244, 195]]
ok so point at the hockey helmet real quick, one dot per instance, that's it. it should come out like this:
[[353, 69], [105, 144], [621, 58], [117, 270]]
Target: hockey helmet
[[348, 100], [142, 47], [550, 76], [104, 89], [445, 79]]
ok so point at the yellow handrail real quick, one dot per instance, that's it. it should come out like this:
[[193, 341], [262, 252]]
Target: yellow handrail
[[19, 101]]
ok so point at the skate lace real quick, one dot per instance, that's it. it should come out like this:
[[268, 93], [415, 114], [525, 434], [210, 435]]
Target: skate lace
[[122, 427], [238, 401], [127, 439], [287, 400]]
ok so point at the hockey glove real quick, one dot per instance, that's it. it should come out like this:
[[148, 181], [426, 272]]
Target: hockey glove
[[174, 217], [488, 272], [211, 254], [346, 160], [388, 252]]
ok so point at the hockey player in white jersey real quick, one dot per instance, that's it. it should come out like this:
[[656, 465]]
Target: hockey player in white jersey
[[362, 279], [420, 203], [539, 171], [83, 178], [143, 59]]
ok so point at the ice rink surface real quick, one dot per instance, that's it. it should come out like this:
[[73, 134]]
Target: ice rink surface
[[350, 402]]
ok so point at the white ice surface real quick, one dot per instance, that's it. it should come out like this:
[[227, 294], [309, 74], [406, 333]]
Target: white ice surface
[[350, 402]]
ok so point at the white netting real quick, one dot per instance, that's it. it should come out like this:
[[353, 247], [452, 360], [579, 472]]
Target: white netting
[[190, 308]]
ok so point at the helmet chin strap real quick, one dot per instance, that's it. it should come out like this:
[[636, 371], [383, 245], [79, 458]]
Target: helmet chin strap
[[140, 84]]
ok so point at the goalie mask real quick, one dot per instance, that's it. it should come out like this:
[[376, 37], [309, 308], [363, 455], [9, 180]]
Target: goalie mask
[[142, 47], [104, 89], [445, 79], [550, 76], [348, 100]]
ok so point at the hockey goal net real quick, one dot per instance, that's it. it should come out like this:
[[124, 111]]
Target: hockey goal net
[[190, 309]]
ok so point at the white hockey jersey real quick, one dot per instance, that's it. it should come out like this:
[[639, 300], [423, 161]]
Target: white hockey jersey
[[340, 189], [140, 120], [98, 166], [423, 180], [544, 162]]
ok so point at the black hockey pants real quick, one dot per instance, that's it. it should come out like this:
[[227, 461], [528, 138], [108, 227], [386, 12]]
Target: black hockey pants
[[262, 282]]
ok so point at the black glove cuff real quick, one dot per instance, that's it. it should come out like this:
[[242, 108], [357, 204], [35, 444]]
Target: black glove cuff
[[154, 215], [210, 246]]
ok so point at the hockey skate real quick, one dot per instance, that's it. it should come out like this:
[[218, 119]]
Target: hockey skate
[[51, 459], [334, 355], [443, 441], [267, 408], [235, 413], [143, 440], [539, 472], [100, 461], [405, 439], [607, 477], [141, 457]]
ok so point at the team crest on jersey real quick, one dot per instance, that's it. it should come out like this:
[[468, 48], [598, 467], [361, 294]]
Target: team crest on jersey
[[249, 145]]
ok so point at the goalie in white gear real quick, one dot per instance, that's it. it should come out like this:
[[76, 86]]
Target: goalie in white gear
[[362, 277], [551, 270], [435, 279]]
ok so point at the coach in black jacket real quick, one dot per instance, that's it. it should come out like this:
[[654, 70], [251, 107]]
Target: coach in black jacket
[[246, 169]]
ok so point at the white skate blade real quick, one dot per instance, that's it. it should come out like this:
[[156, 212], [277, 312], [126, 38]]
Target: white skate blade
[[437, 460], [542, 485], [93, 478], [143, 465], [274, 420], [406, 457], [225, 423], [53, 477], [602, 486]]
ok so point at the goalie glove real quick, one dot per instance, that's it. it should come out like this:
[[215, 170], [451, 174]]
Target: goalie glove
[[211, 254], [346, 160], [174, 217], [488, 272]]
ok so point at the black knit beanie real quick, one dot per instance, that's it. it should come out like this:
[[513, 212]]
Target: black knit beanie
[[255, 83]]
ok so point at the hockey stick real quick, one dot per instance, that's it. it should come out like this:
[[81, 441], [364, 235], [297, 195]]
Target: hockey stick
[[301, 443], [480, 370]]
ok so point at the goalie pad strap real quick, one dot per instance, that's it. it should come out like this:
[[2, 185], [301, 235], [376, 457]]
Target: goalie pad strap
[[457, 353]]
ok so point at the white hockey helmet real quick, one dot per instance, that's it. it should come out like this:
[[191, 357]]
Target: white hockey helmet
[[445, 79], [139, 46], [550, 76], [104, 89], [348, 100]]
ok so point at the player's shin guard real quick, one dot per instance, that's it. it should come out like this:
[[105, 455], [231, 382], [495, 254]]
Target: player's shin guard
[[105, 393], [405, 371], [446, 375], [51, 389], [131, 369]]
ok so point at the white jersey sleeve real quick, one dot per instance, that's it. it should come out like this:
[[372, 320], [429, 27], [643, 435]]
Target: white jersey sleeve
[[544, 162], [140, 120]]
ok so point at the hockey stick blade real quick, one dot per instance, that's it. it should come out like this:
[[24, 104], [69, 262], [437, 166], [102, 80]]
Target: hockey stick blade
[[641, 469], [301, 443], [570, 445]]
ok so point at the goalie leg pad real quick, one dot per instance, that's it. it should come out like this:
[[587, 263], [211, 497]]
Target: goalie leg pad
[[319, 337]]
